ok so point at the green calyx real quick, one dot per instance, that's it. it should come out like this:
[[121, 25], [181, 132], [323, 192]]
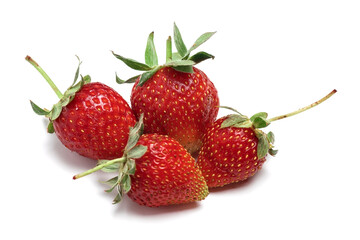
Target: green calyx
[[258, 120], [65, 98], [182, 60], [124, 166], [261, 120]]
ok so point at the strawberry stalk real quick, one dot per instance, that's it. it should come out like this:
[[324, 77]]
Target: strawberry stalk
[[65, 98], [47, 78], [99, 167], [304, 108], [260, 120]]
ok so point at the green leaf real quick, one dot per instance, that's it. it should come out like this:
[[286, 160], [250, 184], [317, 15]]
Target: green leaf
[[260, 114], [130, 80], [273, 152], [111, 188], [168, 49], [38, 110], [86, 79], [147, 75], [179, 43], [68, 97], [176, 56], [203, 38], [50, 127], [260, 122], [72, 90], [112, 181], [119, 195], [201, 56], [135, 133], [112, 168], [133, 139], [263, 145], [76, 88], [125, 183], [271, 137], [77, 71], [246, 124], [67, 100], [133, 63], [177, 63], [233, 119], [55, 111], [184, 69], [137, 151], [151, 58], [131, 164]]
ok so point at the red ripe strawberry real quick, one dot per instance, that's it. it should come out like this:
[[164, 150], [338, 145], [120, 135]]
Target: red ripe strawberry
[[235, 149], [176, 98], [95, 123], [177, 104], [155, 170], [229, 154], [91, 118], [166, 174]]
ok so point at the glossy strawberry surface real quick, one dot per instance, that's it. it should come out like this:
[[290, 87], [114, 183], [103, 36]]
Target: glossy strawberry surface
[[166, 174], [180, 105], [95, 123], [228, 154]]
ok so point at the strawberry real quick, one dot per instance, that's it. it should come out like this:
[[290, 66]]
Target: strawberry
[[177, 104], [91, 119], [229, 154], [155, 171], [166, 174], [235, 148], [177, 99]]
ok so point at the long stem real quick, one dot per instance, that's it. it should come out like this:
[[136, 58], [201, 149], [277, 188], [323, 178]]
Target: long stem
[[98, 167], [47, 78], [304, 108]]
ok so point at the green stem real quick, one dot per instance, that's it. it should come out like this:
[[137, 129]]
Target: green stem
[[168, 50], [304, 108], [47, 78], [98, 167]]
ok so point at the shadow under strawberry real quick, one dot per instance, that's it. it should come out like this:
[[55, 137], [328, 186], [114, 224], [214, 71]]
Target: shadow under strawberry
[[135, 209], [241, 185]]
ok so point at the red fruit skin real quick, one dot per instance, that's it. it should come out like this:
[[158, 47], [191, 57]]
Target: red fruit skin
[[177, 104], [166, 174], [95, 123], [228, 155]]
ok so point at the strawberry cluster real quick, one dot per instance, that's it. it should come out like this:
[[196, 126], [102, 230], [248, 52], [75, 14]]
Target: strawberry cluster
[[152, 145]]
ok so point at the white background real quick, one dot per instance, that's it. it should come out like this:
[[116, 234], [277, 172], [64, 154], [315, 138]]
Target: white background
[[273, 56]]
